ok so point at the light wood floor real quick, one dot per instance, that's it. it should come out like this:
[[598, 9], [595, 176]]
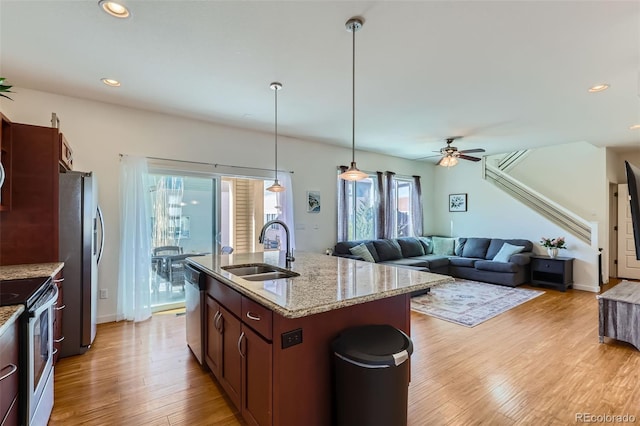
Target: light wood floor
[[537, 364]]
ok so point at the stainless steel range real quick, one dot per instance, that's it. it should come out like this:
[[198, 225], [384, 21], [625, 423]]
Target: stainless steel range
[[36, 345]]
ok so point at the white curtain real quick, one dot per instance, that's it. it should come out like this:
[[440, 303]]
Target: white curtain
[[134, 295], [285, 202]]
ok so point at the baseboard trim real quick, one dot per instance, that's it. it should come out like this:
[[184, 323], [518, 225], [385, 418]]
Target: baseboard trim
[[106, 318], [584, 287]]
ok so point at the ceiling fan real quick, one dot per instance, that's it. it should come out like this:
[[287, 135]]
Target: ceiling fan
[[450, 153]]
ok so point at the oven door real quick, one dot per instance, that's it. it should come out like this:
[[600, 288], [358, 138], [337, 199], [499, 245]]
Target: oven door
[[40, 350]]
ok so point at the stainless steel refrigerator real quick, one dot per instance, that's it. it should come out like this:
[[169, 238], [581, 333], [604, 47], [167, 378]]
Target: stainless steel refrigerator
[[81, 243]]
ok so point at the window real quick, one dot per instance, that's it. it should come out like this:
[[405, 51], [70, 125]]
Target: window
[[361, 197], [403, 201], [378, 207]]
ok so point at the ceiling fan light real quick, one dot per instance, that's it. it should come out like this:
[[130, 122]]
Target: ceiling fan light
[[276, 187], [114, 8], [598, 88], [449, 161], [353, 173]]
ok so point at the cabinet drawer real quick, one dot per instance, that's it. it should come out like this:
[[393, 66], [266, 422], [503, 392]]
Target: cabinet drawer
[[544, 265], [8, 368], [257, 317], [228, 297]]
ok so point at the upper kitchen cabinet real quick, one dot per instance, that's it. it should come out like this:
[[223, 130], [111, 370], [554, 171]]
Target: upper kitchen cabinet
[[29, 230], [5, 163]]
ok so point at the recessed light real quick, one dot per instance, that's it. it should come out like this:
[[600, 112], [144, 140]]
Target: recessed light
[[598, 88], [110, 82], [114, 8], [635, 127]]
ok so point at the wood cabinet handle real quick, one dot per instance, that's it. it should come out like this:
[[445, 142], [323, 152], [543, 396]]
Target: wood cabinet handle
[[216, 321], [59, 308], [240, 344], [252, 317], [13, 367], [58, 340], [55, 351], [58, 280]]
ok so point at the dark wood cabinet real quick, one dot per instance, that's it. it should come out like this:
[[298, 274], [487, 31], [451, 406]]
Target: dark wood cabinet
[[257, 378], [213, 336], [231, 370], [9, 375], [556, 272], [238, 356], [58, 309], [29, 228]]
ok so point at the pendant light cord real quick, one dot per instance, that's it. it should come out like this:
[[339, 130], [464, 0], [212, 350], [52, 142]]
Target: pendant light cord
[[276, 120], [353, 98]]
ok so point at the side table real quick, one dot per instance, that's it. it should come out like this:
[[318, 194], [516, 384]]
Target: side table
[[556, 272], [619, 313]]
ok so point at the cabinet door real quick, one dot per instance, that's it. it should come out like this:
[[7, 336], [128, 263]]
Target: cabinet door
[[213, 344], [8, 368], [58, 308], [257, 379], [231, 369]]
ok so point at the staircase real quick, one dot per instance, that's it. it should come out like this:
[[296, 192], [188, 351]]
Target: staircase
[[569, 221]]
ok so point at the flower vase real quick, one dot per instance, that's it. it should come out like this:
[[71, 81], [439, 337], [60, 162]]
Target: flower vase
[[553, 252]]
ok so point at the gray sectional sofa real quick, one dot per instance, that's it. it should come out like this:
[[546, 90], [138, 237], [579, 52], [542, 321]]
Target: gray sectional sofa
[[492, 260]]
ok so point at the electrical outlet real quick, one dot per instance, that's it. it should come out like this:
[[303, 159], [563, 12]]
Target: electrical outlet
[[291, 338], [104, 293]]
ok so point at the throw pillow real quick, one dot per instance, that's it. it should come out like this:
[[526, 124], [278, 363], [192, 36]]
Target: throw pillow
[[387, 249], [443, 246], [411, 247], [427, 245], [506, 252], [362, 251]]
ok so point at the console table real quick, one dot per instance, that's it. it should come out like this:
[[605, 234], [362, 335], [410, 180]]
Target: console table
[[552, 271], [619, 313]]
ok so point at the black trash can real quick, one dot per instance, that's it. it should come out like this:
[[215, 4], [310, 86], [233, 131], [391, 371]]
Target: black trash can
[[371, 376]]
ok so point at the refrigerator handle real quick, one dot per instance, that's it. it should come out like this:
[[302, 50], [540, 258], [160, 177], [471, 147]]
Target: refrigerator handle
[[102, 237]]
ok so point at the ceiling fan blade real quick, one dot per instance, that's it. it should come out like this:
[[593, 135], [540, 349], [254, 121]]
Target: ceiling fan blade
[[438, 163], [466, 151], [468, 157]]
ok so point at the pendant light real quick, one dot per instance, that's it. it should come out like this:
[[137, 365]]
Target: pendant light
[[353, 25], [276, 187]]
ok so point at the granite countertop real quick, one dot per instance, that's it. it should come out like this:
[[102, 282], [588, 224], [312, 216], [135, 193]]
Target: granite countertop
[[325, 282], [29, 270], [8, 314]]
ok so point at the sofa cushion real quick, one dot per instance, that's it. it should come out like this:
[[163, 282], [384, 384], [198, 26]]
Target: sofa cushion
[[362, 251], [434, 261], [496, 245], [459, 246], [387, 250], [411, 247], [490, 265], [443, 246], [408, 261], [427, 244], [476, 247], [463, 261], [343, 247], [506, 252]]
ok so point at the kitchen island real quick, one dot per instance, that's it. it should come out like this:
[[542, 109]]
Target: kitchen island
[[267, 342]]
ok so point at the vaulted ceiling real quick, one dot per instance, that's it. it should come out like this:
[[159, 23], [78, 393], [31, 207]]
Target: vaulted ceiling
[[506, 75]]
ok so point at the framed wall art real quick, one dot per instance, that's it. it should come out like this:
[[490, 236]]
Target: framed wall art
[[457, 202], [313, 201]]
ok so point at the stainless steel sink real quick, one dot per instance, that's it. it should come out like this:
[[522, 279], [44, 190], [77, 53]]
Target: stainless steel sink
[[259, 272], [270, 276]]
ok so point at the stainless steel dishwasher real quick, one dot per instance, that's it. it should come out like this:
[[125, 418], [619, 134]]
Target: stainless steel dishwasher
[[194, 301]]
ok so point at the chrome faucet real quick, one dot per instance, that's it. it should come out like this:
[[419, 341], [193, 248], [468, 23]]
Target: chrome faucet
[[289, 255]]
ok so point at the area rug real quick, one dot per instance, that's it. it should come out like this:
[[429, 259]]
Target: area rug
[[470, 303]]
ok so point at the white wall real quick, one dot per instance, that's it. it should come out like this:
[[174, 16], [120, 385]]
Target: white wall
[[493, 213], [99, 132]]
